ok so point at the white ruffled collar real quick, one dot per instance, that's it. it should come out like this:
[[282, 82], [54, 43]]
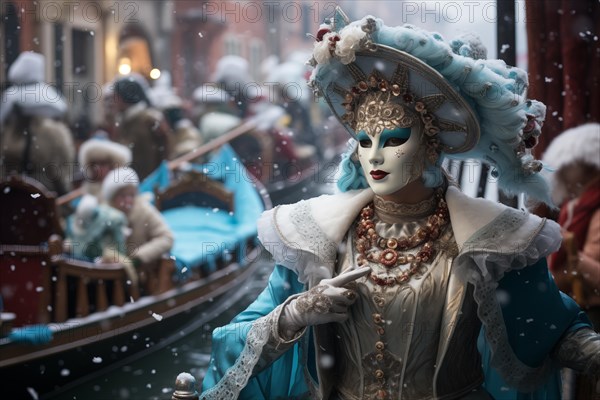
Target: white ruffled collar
[[312, 229], [335, 213]]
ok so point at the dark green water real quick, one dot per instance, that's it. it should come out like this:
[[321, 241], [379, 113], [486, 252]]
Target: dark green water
[[153, 376]]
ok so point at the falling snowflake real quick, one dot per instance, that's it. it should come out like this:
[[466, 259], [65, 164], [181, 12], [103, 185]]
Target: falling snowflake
[[97, 360], [35, 195], [33, 393], [157, 317]]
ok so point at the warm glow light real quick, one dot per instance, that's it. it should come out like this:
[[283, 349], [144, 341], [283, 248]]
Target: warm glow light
[[155, 73], [124, 66]]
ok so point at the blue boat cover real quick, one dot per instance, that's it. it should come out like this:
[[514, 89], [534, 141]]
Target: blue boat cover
[[203, 234]]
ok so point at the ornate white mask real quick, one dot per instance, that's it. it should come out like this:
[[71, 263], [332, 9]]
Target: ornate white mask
[[391, 159]]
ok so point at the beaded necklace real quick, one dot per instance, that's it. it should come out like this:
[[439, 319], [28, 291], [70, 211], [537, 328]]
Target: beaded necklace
[[388, 251]]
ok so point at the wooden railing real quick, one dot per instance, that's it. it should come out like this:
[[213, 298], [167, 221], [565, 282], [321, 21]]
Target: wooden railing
[[88, 273]]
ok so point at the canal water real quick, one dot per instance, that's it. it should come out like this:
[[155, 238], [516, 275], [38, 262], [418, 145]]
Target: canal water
[[151, 375]]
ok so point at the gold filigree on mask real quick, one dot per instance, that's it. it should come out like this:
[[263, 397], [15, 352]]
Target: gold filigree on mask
[[374, 104], [377, 111]]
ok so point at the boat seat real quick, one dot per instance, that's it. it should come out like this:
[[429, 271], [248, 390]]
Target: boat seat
[[194, 188], [29, 238], [211, 208], [86, 273], [200, 212]]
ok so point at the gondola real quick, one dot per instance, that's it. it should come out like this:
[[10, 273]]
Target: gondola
[[288, 168], [43, 347]]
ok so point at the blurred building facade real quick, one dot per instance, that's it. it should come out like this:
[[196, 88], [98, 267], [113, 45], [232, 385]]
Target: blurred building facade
[[87, 43]]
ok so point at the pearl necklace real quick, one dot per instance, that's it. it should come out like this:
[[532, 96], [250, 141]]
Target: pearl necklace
[[387, 251]]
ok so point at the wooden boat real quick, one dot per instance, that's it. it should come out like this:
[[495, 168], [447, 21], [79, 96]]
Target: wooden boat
[[36, 274]]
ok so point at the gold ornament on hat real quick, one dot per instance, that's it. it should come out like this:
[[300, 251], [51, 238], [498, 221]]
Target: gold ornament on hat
[[375, 104]]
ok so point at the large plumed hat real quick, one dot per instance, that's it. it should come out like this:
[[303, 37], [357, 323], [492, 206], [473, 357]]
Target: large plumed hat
[[162, 95], [580, 144], [117, 179], [103, 149], [209, 93], [232, 69], [470, 107], [27, 68], [29, 92]]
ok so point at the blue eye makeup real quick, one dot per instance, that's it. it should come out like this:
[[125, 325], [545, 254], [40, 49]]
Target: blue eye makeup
[[394, 137], [388, 138], [363, 139], [362, 136]]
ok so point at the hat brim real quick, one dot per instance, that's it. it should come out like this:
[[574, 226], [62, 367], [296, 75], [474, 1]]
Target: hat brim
[[462, 127]]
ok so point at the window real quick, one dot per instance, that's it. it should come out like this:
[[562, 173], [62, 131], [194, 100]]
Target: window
[[257, 55], [11, 34], [233, 46]]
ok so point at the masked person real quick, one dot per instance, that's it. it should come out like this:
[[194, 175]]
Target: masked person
[[574, 156], [381, 291], [97, 157], [148, 236], [141, 127], [35, 140]]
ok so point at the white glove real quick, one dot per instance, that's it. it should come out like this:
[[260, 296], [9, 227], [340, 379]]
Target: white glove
[[326, 302]]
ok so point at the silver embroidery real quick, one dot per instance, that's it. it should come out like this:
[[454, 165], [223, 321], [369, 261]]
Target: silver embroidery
[[418, 210], [307, 227], [508, 221], [237, 376]]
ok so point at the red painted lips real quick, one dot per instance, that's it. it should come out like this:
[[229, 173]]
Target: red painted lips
[[378, 174]]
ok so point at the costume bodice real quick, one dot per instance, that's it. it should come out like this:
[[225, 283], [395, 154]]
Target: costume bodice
[[390, 342]]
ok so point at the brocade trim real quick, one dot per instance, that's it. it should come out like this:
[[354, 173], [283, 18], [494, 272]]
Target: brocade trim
[[509, 220], [514, 372], [237, 376], [392, 211]]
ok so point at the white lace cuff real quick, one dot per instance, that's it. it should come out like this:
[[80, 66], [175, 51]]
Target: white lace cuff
[[237, 376], [263, 345]]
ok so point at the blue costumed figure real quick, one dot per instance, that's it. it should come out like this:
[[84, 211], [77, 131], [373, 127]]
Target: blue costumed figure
[[383, 290]]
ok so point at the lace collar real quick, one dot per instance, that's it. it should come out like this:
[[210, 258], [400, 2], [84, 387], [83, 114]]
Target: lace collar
[[391, 212]]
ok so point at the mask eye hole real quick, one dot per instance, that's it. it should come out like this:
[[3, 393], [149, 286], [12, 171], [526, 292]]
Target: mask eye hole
[[394, 142], [365, 143]]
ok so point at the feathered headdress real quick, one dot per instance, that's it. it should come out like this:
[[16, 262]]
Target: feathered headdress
[[470, 107]]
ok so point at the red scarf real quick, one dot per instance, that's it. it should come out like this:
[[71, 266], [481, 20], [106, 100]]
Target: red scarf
[[586, 205]]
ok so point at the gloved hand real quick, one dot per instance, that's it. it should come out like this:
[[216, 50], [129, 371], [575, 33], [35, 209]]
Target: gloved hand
[[326, 302]]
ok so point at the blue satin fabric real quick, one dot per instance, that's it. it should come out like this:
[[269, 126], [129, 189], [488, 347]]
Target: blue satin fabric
[[284, 379], [535, 312], [536, 315]]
